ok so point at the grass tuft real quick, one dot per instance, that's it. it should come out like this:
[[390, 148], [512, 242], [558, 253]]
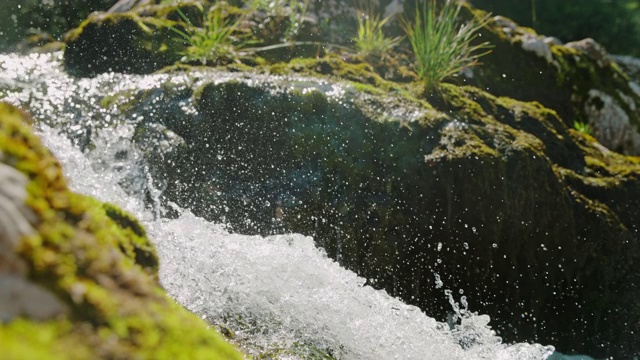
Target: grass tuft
[[215, 41], [441, 45], [371, 40]]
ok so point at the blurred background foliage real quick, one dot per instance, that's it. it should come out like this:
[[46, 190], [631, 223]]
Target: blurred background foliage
[[613, 23], [22, 18]]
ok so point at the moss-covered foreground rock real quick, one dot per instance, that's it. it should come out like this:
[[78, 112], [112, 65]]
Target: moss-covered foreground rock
[[78, 278], [535, 222]]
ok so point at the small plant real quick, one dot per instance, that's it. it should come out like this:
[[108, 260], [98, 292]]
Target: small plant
[[371, 39], [442, 47], [582, 127], [215, 40]]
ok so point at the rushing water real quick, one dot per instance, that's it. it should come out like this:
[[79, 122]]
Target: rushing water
[[278, 292]]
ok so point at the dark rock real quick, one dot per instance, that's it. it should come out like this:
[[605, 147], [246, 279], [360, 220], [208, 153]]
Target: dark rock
[[24, 19], [121, 42]]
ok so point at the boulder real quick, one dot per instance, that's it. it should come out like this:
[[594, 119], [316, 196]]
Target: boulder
[[78, 278], [531, 220]]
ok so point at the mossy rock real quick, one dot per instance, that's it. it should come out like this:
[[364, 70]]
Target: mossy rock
[[497, 196], [91, 265], [122, 42], [579, 80]]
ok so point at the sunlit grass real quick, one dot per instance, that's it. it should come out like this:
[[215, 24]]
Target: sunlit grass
[[371, 39], [441, 44], [215, 40]]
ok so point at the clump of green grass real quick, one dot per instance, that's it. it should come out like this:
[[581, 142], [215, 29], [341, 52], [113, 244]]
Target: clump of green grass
[[215, 41], [371, 40], [582, 127], [441, 44]]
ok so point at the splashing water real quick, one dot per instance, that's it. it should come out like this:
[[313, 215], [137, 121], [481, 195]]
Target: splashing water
[[281, 290], [274, 293]]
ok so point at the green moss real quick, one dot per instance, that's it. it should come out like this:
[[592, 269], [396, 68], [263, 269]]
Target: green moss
[[458, 99], [601, 162], [361, 73], [98, 261], [137, 245], [55, 340]]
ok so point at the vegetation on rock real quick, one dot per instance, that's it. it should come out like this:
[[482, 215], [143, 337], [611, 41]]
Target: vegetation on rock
[[371, 40], [214, 42]]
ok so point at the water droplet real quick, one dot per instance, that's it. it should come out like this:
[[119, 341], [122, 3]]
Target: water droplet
[[439, 282]]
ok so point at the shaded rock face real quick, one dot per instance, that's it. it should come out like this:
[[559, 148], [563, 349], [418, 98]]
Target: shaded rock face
[[533, 222], [22, 19], [126, 43], [78, 278]]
